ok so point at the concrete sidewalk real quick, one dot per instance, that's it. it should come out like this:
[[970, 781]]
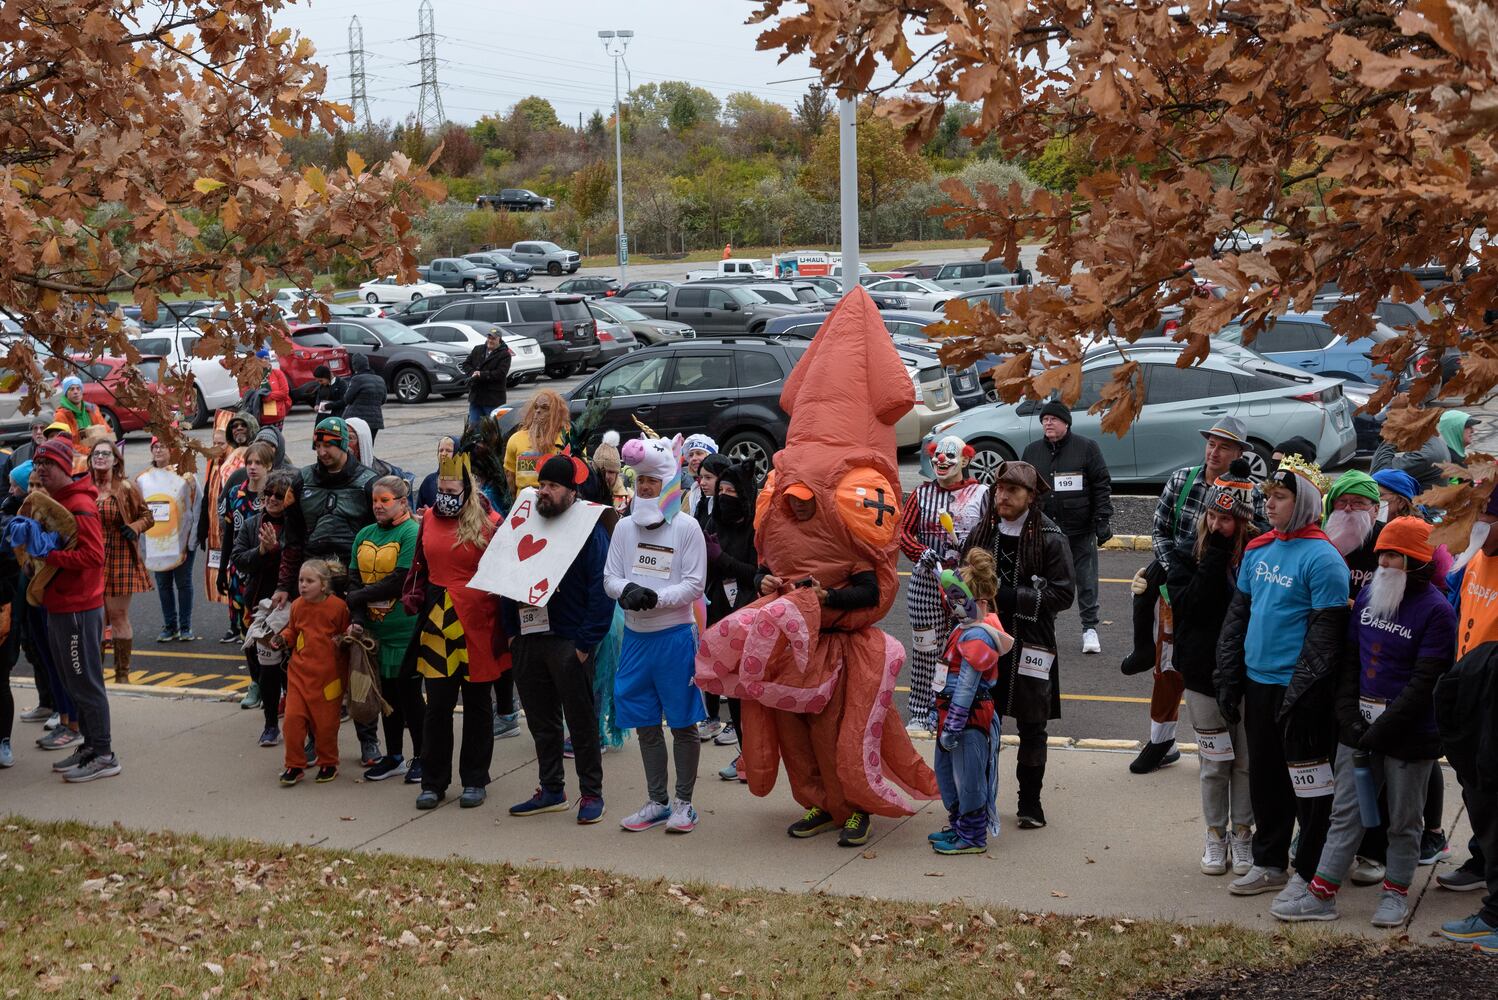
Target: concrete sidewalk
[[1117, 844]]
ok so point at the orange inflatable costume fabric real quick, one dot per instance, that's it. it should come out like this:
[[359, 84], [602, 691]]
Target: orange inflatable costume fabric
[[817, 684]]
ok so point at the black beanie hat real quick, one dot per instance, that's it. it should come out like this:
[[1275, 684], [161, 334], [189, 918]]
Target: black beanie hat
[[559, 469], [1056, 408]]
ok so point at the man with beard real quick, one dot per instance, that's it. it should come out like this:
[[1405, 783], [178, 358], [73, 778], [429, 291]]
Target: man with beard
[[553, 648], [1351, 524], [1035, 585], [1401, 639], [657, 570], [1277, 655], [1079, 500], [938, 517]]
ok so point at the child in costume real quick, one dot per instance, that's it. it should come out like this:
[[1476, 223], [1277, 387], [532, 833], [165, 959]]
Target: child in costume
[[317, 673], [967, 743], [938, 517]]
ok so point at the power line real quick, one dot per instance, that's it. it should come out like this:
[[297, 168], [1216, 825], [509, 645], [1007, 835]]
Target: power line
[[359, 100], [429, 112]]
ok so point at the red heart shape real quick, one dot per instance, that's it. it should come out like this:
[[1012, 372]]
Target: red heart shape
[[516, 522], [528, 546]]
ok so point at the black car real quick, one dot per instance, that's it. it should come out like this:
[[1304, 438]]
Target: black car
[[592, 287], [422, 310], [411, 366], [560, 324], [728, 388]]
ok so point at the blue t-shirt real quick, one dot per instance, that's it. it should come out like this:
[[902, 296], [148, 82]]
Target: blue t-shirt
[[1286, 581]]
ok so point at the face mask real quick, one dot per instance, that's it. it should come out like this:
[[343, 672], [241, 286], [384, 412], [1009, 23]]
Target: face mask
[[957, 598], [729, 510], [1383, 512], [646, 512], [447, 505]]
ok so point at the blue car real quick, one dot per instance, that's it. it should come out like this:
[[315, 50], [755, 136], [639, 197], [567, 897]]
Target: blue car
[[1307, 342]]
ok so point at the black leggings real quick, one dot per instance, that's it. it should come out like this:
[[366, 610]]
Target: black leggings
[[407, 711], [504, 693], [272, 680]]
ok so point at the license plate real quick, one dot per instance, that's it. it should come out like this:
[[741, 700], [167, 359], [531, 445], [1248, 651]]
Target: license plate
[[580, 333]]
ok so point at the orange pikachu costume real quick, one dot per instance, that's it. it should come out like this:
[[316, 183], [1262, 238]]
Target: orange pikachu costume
[[818, 683], [315, 679]]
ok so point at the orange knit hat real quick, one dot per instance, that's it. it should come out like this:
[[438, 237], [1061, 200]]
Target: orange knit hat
[[1409, 536]]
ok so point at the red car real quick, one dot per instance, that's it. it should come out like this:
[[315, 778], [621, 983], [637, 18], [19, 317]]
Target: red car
[[312, 345], [102, 378]]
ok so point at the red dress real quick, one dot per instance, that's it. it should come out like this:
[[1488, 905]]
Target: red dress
[[450, 564]]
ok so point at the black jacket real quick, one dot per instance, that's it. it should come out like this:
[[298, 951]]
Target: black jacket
[[325, 398], [488, 374], [262, 568], [1467, 714], [1082, 511], [364, 396], [1200, 593]]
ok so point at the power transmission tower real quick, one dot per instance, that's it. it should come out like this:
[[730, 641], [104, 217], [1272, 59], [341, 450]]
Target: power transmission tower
[[359, 98], [429, 113]]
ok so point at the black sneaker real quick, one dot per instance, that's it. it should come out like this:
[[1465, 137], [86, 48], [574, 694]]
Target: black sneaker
[[1031, 816], [413, 774], [1433, 847], [326, 773], [369, 753], [387, 767], [814, 822], [290, 776], [1155, 756], [1464, 879], [855, 832], [229, 637]]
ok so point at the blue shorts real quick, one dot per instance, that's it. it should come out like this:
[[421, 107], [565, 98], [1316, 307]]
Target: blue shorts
[[654, 679]]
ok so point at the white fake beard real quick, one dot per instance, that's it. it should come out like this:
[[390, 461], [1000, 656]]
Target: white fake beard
[[1386, 591], [646, 512], [1349, 529], [1475, 543]]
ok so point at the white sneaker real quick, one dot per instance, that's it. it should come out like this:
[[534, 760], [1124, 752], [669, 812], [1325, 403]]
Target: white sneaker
[[708, 728], [1294, 889], [1215, 854], [1393, 909], [1241, 847], [650, 814], [53, 721], [1090, 643], [1366, 872], [683, 817], [727, 738]]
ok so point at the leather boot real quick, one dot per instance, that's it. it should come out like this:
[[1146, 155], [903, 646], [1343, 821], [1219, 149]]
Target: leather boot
[[122, 661], [1030, 778]]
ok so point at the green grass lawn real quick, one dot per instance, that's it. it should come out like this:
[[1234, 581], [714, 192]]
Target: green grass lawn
[[91, 911]]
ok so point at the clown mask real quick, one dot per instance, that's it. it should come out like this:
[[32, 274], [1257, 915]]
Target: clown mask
[[957, 598], [949, 458]]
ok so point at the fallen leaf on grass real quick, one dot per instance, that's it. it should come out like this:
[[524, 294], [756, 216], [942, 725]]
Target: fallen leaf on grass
[[1064, 959], [214, 969]]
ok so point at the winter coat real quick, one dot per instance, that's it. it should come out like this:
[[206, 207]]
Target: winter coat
[[262, 569], [488, 375], [1466, 700], [1079, 512], [1200, 593], [364, 396]]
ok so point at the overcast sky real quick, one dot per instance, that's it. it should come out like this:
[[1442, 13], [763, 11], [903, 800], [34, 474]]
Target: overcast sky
[[491, 54]]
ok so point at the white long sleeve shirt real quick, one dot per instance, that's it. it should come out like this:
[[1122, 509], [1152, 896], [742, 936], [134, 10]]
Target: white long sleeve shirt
[[670, 559]]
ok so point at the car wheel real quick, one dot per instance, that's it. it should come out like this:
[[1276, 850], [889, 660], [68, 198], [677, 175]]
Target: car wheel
[[203, 414], [113, 422], [531, 378], [415, 296], [469, 286], [558, 372], [581, 367], [1260, 460], [412, 385], [514, 380], [553, 269], [372, 299], [987, 457], [754, 447], [508, 276]]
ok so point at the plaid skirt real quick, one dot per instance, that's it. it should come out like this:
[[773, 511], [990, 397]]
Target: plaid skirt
[[124, 571]]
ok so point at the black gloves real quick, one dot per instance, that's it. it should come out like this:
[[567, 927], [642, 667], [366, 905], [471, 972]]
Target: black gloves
[[1103, 533], [714, 549], [637, 598], [1229, 709]]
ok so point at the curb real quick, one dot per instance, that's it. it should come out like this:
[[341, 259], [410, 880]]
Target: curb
[[1128, 543]]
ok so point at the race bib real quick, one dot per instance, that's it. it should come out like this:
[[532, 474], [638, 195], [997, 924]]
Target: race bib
[[923, 640], [1311, 779], [654, 560], [1068, 482], [1214, 744], [534, 620], [1371, 708], [1036, 662], [215, 558], [731, 591], [161, 510]]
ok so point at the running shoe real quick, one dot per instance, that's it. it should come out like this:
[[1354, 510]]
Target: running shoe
[[651, 814]]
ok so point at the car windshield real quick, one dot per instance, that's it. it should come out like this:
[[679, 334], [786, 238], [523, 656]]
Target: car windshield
[[622, 313], [746, 296], [392, 332]]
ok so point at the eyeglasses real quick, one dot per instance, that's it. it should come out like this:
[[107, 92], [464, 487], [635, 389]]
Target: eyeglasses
[[1353, 503]]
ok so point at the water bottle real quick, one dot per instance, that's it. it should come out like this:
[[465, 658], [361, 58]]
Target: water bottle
[[1367, 787]]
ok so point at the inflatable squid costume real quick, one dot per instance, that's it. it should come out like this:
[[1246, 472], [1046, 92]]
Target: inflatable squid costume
[[818, 681]]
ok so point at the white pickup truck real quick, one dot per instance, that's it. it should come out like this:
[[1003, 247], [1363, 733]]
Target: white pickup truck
[[733, 266]]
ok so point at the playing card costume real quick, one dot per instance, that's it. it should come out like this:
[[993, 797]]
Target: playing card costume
[[939, 515], [817, 681]]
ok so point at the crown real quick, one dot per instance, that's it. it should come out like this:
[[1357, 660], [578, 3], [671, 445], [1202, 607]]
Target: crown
[[454, 467], [1307, 470]]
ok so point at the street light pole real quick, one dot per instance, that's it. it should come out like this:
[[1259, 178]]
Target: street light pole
[[615, 43], [847, 133]]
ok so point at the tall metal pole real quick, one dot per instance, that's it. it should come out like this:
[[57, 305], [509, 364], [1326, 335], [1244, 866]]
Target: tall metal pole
[[615, 43], [847, 134]]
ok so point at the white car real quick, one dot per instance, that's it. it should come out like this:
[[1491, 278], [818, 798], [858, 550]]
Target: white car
[[526, 360], [216, 386], [388, 289], [922, 295]]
